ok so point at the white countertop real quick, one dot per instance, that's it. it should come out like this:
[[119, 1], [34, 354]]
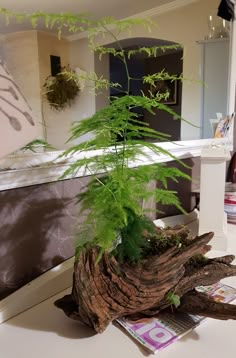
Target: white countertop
[[45, 332]]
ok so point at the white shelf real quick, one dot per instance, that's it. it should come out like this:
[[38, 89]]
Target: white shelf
[[213, 40]]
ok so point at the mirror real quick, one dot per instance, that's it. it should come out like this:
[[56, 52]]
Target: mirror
[[27, 55]]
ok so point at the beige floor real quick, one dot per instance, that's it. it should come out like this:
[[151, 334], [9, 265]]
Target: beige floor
[[44, 332]]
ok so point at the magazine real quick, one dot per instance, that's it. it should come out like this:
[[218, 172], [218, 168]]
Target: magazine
[[156, 333]]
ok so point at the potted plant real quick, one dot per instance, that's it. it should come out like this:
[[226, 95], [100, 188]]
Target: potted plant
[[124, 264]]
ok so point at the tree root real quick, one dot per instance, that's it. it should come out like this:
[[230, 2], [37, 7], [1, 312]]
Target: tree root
[[107, 290]]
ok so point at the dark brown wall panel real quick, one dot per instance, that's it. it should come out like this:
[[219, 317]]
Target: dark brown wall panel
[[37, 227]]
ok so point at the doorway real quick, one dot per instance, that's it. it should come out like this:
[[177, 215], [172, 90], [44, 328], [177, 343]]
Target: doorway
[[139, 65]]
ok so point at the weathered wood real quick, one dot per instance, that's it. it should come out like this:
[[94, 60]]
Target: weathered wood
[[200, 304], [107, 290]]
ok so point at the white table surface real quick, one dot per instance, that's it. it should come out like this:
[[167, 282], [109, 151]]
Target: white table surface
[[45, 332]]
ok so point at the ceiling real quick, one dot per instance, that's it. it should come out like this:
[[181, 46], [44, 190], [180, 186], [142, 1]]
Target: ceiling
[[100, 8]]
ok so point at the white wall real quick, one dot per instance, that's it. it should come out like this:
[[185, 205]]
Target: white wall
[[102, 68], [57, 123], [20, 51], [232, 75], [27, 55], [82, 57]]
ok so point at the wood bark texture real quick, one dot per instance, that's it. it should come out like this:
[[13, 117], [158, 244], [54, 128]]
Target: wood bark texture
[[107, 290]]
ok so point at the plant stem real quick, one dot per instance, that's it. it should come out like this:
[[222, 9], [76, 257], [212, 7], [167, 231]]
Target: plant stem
[[127, 92]]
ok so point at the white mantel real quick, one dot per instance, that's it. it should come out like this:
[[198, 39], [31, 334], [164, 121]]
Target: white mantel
[[212, 191], [37, 168]]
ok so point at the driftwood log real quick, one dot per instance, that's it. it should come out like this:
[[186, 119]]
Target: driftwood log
[[107, 290]]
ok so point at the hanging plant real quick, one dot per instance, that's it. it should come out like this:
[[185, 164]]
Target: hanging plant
[[62, 89]]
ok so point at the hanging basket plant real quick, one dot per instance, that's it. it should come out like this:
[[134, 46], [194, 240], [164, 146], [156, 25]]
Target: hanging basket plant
[[62, 89]]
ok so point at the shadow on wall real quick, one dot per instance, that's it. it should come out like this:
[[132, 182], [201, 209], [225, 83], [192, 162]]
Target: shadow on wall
[[37, 229]]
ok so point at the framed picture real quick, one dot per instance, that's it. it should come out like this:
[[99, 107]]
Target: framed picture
[[164, 86]]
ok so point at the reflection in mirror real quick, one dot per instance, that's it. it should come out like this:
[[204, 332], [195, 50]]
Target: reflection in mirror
[[213, 83], [27, 55], [140, 65], [205, 66]]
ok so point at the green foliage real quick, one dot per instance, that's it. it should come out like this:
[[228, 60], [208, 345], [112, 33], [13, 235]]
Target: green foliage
[[114, 203], [133, 243], [174, 299], [120, 171], [37, 143], [67, 21], [75, 23]]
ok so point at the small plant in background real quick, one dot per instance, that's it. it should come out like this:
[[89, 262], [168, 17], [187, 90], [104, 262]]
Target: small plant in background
[[62, 89]]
